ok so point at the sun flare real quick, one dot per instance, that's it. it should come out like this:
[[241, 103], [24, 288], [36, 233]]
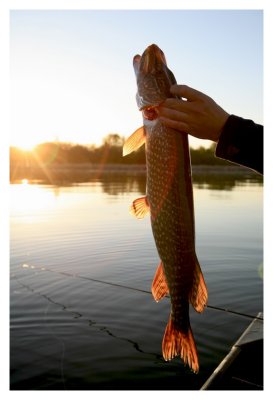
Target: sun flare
[[27, 147]]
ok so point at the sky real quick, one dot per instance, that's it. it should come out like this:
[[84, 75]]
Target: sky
[[72, 79]]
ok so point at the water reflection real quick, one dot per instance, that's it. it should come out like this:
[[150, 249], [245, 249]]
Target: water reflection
[[225, 182], [30, 202], [120, 184], [117, 180]]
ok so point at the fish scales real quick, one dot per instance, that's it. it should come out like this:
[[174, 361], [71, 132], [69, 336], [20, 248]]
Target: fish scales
[[169, 199], [171, 208]]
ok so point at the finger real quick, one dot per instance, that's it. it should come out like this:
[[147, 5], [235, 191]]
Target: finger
[[171, 113], [180, 126], [187, 92], [174, 104]]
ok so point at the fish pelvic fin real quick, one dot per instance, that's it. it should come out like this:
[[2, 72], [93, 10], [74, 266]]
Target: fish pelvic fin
[[199, 293], [140, 207], [135, 141], [179, 343], [159, 285]]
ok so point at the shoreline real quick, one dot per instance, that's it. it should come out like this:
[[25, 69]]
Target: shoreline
[[137, 168], [85, 172]]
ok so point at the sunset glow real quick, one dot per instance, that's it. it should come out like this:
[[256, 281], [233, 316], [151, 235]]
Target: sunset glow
[[72, 78], [27, 145]]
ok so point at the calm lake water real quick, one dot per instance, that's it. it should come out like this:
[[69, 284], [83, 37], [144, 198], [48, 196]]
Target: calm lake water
[[81, 313]]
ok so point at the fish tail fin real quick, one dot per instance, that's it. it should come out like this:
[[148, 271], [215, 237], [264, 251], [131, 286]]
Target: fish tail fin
[[177, 342], [159, 285], [199, 293]]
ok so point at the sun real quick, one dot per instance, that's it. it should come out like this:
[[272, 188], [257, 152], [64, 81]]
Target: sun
[[27, 149], [25, 145]]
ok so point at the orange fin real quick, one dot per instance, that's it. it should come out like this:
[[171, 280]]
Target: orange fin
[[135, 141], [199, 293], [178, 343], [159, 285], [140, 207]]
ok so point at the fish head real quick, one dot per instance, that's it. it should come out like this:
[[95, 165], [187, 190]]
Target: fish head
[[153, 79]]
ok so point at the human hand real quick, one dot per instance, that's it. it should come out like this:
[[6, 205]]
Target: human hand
[[198, 115]]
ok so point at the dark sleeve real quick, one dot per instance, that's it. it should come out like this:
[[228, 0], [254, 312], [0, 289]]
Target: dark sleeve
[[241, 142]]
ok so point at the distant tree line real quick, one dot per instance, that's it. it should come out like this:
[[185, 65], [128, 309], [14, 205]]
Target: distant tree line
[[110, 152]]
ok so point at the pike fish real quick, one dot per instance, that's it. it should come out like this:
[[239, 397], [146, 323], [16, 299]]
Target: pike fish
[[169, 200]]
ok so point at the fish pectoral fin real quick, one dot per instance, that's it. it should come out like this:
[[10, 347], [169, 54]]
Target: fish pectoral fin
[[135, 141], [140, 207], [179, 343], [199, 293], [159, 285]]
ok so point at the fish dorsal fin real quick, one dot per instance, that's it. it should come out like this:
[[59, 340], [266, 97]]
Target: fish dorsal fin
[[199, 293], [159, 285], [135, 141], [140, 207]]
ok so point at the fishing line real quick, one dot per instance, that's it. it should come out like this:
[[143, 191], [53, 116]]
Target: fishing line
[[61, 343], [47, 324], [227, 310], [76, 314]]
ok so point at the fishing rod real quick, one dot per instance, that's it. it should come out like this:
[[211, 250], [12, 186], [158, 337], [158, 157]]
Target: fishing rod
[[134, 289]]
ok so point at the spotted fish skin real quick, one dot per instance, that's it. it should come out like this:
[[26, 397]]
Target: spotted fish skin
[[169, 198]]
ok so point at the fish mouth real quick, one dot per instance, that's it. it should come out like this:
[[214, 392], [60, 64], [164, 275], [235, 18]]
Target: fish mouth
[[151, 60], [153, 80]]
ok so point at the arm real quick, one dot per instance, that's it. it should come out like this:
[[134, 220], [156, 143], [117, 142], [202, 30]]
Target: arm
[[241, 141]]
